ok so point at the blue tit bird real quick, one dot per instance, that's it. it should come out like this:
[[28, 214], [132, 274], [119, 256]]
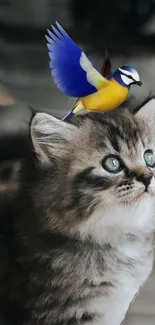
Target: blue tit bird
[[75, 76]]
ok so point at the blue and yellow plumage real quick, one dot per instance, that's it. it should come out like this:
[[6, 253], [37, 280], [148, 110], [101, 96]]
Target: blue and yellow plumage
[[75, 76]]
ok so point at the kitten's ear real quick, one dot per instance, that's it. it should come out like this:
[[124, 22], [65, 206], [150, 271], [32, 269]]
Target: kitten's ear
[[50, 136], [147, 112]]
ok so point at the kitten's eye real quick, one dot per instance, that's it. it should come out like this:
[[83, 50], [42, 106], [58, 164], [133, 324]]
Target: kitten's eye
[[149, 158], [112, 164]]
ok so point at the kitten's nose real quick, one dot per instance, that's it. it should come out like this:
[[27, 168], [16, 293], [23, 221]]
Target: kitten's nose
[[145, 178]]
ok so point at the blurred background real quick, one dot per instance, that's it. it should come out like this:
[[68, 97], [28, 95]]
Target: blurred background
[[127, 27]]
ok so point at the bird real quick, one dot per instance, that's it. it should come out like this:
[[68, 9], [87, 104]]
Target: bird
[[75, 75]]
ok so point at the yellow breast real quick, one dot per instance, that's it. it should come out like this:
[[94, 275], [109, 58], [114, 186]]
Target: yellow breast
[[107, 98]]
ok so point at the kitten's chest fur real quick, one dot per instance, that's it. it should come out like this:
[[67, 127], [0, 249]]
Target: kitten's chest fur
[[127, 273], [55, 280], [82, 282]]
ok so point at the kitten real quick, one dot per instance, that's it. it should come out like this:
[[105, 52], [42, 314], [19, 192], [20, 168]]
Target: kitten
[[76, 246]]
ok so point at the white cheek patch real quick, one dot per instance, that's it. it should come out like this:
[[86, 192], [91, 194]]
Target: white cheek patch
[[133, 74], [126, 80]]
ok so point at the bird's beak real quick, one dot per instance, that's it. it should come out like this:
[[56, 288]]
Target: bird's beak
[[139, 83]]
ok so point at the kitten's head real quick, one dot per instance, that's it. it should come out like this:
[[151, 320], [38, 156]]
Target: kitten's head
[[97, 171]]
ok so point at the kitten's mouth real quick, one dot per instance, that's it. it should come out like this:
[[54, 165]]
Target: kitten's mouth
[[141, 195]]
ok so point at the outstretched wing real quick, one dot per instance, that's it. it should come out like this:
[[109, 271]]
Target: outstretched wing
[[73, 73], [106, 68]]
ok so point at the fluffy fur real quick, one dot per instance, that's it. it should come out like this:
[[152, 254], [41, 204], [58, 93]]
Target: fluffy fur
[[76, 246]]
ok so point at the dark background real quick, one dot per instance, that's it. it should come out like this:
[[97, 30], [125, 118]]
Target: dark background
[[127, 27]]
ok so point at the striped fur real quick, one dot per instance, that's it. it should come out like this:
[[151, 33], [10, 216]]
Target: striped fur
[[79, 235]]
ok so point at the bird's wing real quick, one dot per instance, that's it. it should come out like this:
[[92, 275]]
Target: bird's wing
[[106, 68], [73, 73]]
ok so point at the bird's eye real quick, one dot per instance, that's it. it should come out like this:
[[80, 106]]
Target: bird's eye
[[149, 158], [130, 77], [112, 164]]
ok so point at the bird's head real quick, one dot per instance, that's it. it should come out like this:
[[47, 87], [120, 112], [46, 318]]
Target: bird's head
[[127, 76]]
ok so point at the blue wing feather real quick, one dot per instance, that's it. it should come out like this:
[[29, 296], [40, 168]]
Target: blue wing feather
[[65, 56]]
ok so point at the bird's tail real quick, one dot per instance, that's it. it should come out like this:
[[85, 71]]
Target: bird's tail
[[77, 108], [68, 116]]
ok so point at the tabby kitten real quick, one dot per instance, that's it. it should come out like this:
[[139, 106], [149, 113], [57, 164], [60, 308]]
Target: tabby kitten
[[77, 245]]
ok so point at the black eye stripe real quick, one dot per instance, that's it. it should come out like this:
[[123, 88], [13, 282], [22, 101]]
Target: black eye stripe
[[86, 179], [130, 77]]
